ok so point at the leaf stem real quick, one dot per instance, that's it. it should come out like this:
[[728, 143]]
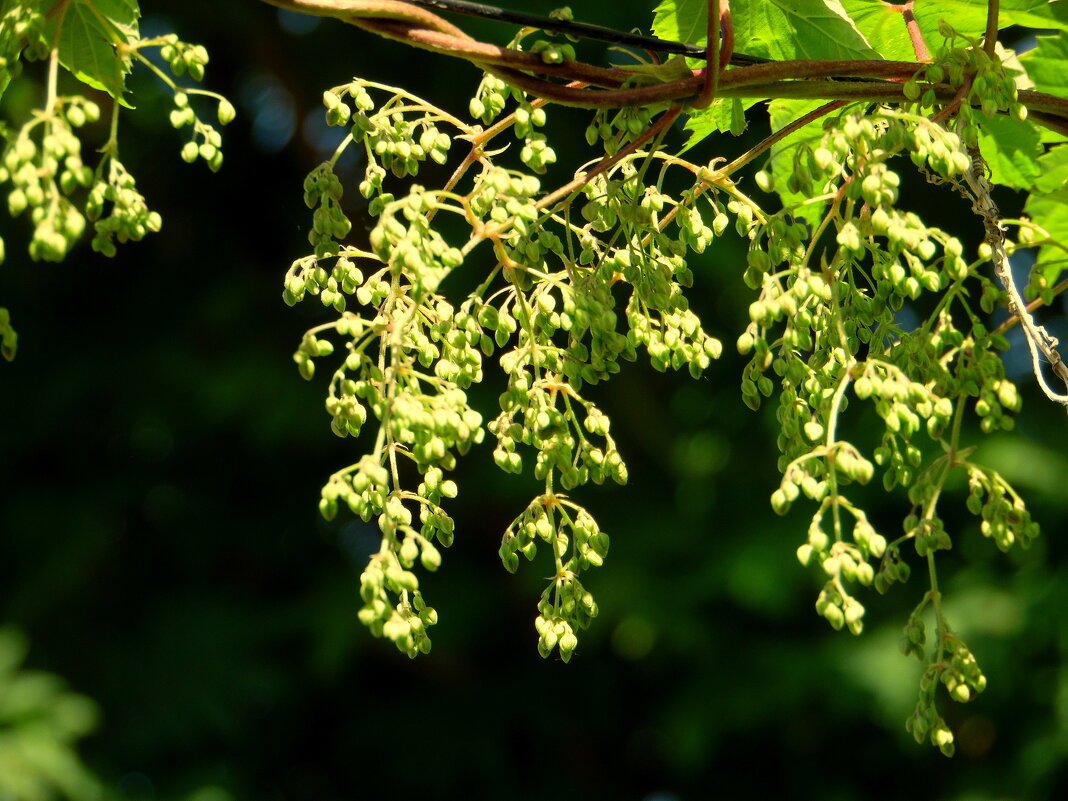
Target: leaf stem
[[780, 134], [53, 81]]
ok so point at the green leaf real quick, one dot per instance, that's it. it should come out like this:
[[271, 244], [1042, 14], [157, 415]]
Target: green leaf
[[1033, 14], [797, 29], [123, 14], [721, 116], [682, 21], [769, 28], [1053, 170], [673, 69], [1011, 149], [1050, 211], [1047, 64], [885, 28], [88, 33], [779, 29]]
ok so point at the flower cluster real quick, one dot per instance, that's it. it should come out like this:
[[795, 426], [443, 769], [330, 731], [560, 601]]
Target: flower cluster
[[953, 667], [43, 160], [829, 318], [44, 164], [577, 543], [584, 280], [411, 354], [128, 218], [991, 84], [205, 141], [1005, 518], [544, 414]]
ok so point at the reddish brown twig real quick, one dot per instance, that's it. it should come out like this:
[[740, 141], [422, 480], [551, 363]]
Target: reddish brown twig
[[608, 87], [726, 26], [710, 73], [990, 39]]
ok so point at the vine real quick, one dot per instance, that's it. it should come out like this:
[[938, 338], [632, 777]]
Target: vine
[[561, 283]]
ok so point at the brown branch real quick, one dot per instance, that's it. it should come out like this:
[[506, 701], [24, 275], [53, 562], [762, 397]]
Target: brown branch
[[388, 9], [607, 87], [1054, 123], [482, 53], [948, 110], [726, 24], [990, 39], [582, 179], [711, 72]]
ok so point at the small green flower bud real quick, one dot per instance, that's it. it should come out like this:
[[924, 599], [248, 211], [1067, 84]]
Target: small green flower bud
[[226, 112], [431, 557], [409, 551], [780, 503]]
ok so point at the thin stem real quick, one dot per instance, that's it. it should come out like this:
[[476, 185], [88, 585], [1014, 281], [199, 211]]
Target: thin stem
[[832, 426], [159, 73], [583, 30], [913, 27], [53, 81], [779, 135], [1031, 307], [928, 513], [111, 147], [340, 150], [828, 218], [581, 180]]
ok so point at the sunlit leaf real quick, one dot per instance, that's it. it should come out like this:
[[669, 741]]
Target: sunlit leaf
[[1011, 149], [682, 21], [89, 31], [771, 28], [723, 116], [885, 28], [1047, 64], [1053, 170], [1050, 211]]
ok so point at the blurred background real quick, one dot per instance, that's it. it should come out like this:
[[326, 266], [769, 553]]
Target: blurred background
[[162, 554]]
